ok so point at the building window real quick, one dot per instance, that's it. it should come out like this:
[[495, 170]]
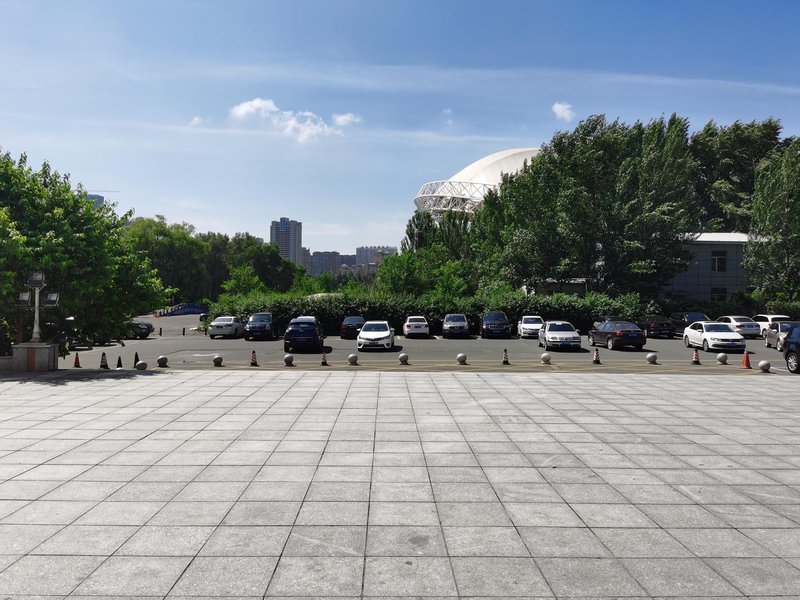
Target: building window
[[719, 294], [719, 261]]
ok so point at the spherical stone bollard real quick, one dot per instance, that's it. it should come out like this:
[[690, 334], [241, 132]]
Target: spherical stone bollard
[[141, 366], [461, 359], [722, 358], [652, 358], [288, 360], [403, 358], [162, 361], [353, 359], [217, 360], [764, 366], [545, 358]]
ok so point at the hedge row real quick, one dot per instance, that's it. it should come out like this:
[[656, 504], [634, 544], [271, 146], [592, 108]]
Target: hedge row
[[581, 311]]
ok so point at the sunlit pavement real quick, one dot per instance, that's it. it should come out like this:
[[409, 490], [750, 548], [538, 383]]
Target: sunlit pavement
[[246, 483]]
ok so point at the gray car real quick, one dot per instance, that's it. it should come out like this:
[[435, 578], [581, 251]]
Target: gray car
[[776, 332], [455, 325]]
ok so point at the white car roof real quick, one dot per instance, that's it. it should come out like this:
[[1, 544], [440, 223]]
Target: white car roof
[[368, 322]]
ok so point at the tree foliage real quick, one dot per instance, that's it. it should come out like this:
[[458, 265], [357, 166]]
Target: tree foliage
[[47, 225], [772, 255]]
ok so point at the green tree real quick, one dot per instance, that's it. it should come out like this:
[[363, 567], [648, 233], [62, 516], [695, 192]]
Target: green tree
[[217, 262], [772, 255], [177, 254], [275, 272], [46, 225], [243, 281], [420, 232]]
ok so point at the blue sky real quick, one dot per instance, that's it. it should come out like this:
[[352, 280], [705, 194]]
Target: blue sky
[[228, 115]]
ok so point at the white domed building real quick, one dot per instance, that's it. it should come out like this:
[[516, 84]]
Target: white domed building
[[465, 190]]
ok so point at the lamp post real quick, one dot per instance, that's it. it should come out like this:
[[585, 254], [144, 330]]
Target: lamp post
[[36, 281]]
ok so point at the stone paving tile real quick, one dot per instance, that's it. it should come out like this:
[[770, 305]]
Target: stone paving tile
[[679, 577], [499, 577], [134, 576], [405, 541], [166, 541], [408, 576], [484, 541], [46, 575], [78, 540], [316, 576], [226, 576], [766, 576]]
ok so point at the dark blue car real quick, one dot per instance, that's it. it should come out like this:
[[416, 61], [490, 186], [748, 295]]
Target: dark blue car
[[304, 332]]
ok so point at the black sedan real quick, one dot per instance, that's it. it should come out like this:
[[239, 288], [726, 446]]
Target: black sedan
[[656, 326], [615, 334], [351, 326]]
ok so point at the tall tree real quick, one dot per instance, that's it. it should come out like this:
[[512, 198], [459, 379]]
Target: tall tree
[[772, 255], [420, 232]]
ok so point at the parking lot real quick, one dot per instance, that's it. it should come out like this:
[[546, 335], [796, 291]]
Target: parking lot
[[185, 347]]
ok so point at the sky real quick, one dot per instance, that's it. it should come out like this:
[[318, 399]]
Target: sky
[[228, 115]]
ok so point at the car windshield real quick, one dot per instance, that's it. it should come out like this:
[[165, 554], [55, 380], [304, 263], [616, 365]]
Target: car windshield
[[742, 320], [718, 327], [260, 318], [375, 327], [456, 319], [416, 319], [495, 316], [561, 327], [223, 320], [691, 317], [531, 320], [353, 320], [301, 324]]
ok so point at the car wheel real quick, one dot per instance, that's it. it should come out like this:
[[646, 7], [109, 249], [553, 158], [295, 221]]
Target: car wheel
[[540, 343], [791, 363], [705, 345], [212, 336], [766, 342], [610, 344], [247, 338], [590, 339], [286, 347], [686, 341]]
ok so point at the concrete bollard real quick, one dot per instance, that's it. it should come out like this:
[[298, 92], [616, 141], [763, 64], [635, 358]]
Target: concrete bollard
[[764, 366], [162, 361], [403, 358], [141, 366], [652, 358], [461, 359], [288, 360], [217, 360], [545, 358], [353, 359], [722, 358]]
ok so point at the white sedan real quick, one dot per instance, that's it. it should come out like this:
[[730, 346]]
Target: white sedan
[[416, 325], [559, 334], [745, 326], [226, 326], [713, 335], [375, 334], [529, 326]]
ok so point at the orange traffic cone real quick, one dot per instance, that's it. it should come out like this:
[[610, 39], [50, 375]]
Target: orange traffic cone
[[596, 357], [253, 361], [324, 361], [695, 357], [505, 357], [103, 361], [77, 363], [746, 361]]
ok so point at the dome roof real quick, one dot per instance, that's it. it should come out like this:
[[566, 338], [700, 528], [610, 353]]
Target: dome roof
[[465, 190], [489, 169]]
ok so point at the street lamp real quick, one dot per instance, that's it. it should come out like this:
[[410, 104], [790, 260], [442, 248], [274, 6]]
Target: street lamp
[[36, 281]]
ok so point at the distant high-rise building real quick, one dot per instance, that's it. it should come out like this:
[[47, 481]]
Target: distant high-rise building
[[288, 236], [348, 259], [325, 262], [305, 258], [366, 254]]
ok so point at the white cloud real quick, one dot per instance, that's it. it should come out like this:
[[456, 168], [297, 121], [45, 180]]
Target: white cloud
[[563, 111], [303, 126], [346, 119], [196, 121]]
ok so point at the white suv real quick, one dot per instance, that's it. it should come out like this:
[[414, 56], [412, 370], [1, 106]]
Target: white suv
[[765, 320]]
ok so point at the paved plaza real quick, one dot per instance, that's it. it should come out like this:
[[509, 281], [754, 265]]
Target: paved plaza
[[245, 484]]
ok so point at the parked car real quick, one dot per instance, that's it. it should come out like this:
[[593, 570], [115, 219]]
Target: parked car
[[655, 326], [416, 325], [455, 325], [765, 320], [225, 326], [681, 320], [791, 350], [495, 323], [615, 334], [259, 325], [605, 318], [559, 334], [375, 334], [713, 335], [304, 332], [776, 333], [529, 326], [350, 327], [138, 330], [745, 326]]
